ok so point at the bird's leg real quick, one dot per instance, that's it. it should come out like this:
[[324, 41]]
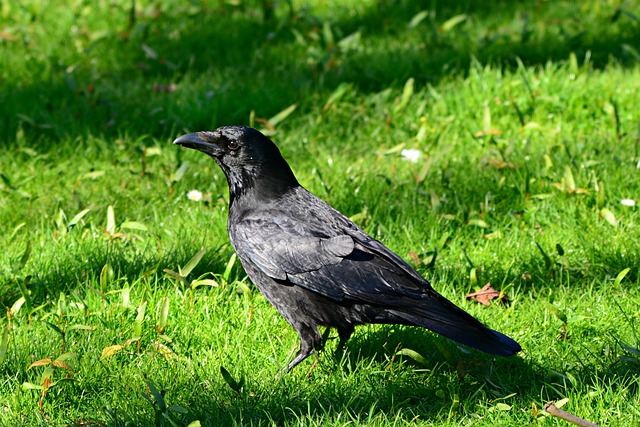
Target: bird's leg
[[310, 340], [344, 333], [325, 335], [305, 351]]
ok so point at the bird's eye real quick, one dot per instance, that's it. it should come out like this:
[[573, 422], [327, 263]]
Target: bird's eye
[[233, 145]]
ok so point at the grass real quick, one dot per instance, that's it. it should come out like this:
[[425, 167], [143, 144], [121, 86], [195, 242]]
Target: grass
[[525, 115]]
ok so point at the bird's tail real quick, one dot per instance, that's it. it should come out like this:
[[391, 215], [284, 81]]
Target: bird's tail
[[445, 318]]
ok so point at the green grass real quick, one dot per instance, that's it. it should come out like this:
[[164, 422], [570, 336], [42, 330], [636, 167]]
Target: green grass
[[526, 115]]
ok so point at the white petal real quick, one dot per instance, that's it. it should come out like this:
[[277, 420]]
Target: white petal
[[194, 195], [411, 155]]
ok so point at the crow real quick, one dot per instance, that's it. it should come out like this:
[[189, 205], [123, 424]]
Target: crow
[[314, 265]]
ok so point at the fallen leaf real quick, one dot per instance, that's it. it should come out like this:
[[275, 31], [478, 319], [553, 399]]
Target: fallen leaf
[[41, 362], [159, 88], [61, 364], [487, 132], [110, 351], [500, 164], [486, 294], [7, 36]]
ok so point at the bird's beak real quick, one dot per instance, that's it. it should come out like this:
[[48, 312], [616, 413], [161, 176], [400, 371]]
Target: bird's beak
[[197, 142]]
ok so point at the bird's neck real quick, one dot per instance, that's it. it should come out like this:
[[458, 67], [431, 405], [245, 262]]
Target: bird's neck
[[250, 189]]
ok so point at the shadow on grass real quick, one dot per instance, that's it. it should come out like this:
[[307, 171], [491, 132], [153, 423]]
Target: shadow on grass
[[80, 269], [227, 61], [396, 389]]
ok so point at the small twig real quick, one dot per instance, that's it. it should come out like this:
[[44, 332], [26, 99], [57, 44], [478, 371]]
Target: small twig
[[310, 373], [554, 411]]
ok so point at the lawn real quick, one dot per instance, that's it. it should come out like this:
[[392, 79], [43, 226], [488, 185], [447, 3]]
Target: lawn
[[123, 302]]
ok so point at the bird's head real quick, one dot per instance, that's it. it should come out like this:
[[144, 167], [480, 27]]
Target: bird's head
[[250, 160]]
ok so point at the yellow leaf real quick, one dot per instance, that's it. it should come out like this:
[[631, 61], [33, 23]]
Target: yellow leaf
[[110, 351], [41, 362], [487, 132]]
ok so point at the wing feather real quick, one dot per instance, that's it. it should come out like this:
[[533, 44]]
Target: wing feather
[[349, 264]]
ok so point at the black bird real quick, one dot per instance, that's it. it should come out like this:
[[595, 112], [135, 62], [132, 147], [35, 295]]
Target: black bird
[[312, 263]]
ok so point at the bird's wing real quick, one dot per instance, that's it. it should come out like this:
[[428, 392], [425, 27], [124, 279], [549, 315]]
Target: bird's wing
[[348, 263], [279, 251]]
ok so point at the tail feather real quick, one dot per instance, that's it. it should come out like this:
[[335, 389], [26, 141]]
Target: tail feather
[[443, 317]]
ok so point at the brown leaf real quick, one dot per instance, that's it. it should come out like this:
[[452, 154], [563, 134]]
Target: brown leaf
[[486, 294], [46, 383], [8, 37], [41, 362], [414, 256], [500, 164], [61, 364]]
